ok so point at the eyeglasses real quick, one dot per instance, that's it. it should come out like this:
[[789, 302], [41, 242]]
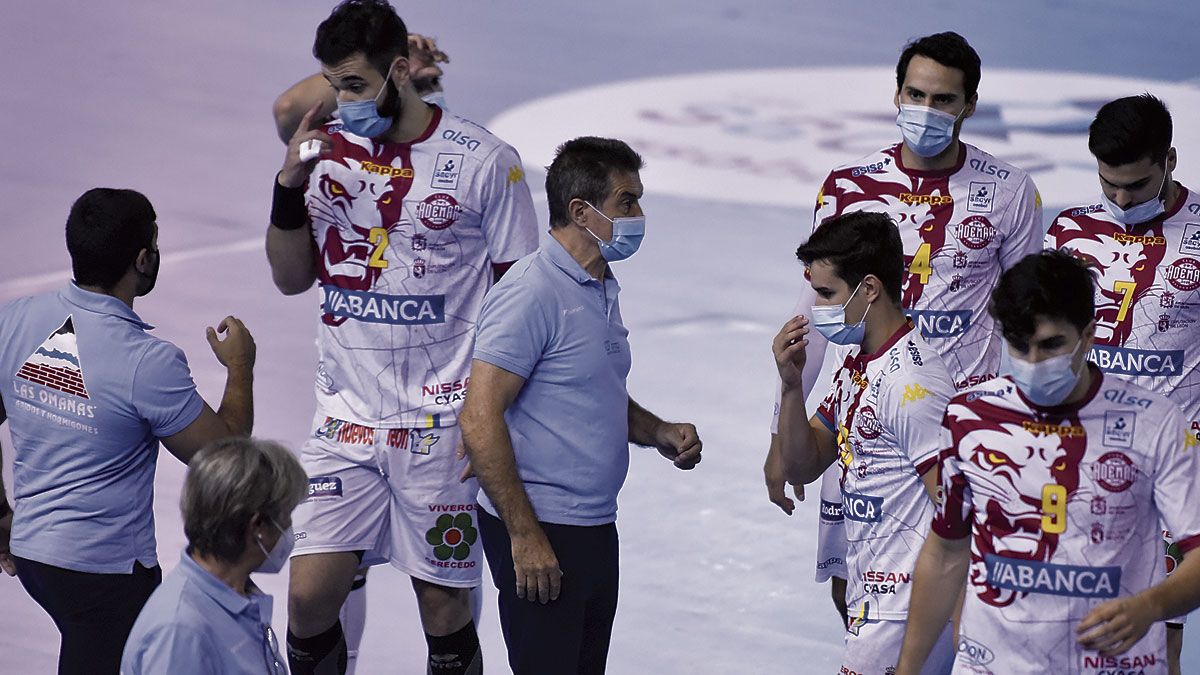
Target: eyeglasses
[[271, 652]]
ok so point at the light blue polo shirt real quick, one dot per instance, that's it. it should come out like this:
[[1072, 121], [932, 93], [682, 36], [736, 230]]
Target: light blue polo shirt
[[196, 623], [550, 322], [87, 392]]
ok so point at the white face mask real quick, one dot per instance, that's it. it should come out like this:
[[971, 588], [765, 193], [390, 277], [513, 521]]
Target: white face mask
[[1045, 383], [279, 553], [830, 321], [1138, 213], [926, 131]]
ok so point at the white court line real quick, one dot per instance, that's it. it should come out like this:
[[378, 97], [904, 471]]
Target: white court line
[[21, 284]]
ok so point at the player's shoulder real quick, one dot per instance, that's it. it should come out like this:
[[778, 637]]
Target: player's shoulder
[[468, 136], [982, 164], [1115, 392], [998, 391], [1081, 213], [911, 366], [881, 161]]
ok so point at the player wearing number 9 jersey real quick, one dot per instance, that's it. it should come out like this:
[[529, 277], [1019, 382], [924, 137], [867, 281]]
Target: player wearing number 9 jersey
[[1055, 477]]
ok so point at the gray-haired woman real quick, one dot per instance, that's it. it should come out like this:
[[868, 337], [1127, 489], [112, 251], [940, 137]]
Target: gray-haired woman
[[207, 616]]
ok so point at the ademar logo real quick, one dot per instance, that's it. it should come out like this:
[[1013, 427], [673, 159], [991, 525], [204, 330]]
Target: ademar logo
[[762, 137]]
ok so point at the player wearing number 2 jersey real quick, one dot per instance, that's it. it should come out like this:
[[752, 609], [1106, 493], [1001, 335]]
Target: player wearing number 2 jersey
[[1055, 478], [1143, 240], [964, 217], [403, 221]]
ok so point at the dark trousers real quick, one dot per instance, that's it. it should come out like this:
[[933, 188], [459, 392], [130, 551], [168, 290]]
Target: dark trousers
[[570, 634], [93, 612]]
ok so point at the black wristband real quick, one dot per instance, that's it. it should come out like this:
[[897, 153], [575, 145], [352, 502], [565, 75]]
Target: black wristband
[[288, 211]]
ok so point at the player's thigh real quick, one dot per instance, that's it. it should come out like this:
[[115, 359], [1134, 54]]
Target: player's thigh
[[320, 580]]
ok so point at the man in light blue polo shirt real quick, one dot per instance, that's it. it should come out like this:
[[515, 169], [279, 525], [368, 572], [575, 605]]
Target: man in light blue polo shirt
[[88, 395], [549, 420]]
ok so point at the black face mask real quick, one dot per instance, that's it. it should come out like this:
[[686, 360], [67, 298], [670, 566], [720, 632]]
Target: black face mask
[[146, 280]]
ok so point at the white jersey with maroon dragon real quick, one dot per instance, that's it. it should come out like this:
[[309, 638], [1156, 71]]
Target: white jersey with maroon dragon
[[1063, 507], [884, 409], [406, 236], [1147, 295], [961, 228]]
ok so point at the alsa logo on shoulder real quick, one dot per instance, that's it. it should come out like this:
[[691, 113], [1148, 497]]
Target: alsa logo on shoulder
[[459, 137], [990, 169], [446, 393]]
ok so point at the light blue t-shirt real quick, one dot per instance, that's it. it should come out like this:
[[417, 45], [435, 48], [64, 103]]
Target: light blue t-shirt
[[196, 623], [550, 322], [87, 393]]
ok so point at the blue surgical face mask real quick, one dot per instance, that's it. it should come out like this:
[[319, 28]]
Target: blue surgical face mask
[[279, 553], [362, 118], [1045, 383], [1138, 213], [830, 321], [626, 238], [437, 98], [926, 131]]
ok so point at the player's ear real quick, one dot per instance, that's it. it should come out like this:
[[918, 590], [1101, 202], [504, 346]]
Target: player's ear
[[970, 109], [398, 72]]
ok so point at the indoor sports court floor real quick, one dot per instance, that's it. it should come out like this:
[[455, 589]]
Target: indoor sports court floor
[[740, 108]]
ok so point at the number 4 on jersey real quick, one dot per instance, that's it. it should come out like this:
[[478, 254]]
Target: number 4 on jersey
[[920, 264]]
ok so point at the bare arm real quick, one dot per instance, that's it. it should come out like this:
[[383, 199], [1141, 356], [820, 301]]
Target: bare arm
[[942, 566], [291, 249], [489, 445], [676, 441], [301, 97], [235, 417], [806, 447]]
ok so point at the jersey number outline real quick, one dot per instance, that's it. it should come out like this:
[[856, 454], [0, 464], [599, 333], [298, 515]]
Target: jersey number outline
[[1054, 508], [1125, 288], [920, 264]]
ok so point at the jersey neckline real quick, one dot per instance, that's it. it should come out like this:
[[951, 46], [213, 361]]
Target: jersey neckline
[[935, 173]]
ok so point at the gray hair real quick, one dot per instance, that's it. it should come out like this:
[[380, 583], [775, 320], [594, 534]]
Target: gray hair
[[228, 483]]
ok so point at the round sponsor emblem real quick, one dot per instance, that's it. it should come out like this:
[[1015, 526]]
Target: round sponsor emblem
[[868, 425], [438, 211], [1114, 471], [1184, 274], [975, 232]]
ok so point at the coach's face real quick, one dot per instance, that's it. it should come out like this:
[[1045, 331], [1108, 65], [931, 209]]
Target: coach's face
[[622, 201]]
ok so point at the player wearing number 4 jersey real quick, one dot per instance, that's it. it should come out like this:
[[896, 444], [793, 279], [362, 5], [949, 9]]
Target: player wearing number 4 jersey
[[1055, 478], [964, 217], [408, 216], [1143, 239], [878, 427]]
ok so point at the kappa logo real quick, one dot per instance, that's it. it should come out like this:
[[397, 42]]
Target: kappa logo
[[446, 171], [515, 175], [980, 197], [912, 393], [55, 363]]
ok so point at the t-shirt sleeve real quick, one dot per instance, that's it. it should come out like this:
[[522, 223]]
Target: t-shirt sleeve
[[163, 391], [512, 332], [509, 220], [955, 512], [916, 405], [1026, 235], [1177, 481], [827, 204], [827, 411], [171, 648]]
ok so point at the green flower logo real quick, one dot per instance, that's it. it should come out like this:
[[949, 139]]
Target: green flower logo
[[452, 536]]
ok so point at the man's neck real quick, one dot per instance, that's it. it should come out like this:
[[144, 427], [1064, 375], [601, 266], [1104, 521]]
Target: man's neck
[[1081, 387], [882, 323], [945, 159], [121, 291], [1172, 195], [415, 116], [583, 249]]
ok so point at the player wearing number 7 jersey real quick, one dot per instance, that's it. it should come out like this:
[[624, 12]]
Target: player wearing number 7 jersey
[[1055, 477], [1143, 240]]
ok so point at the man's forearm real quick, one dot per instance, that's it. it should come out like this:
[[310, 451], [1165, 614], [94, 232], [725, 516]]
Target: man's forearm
[[798, 445], [940, 572], [292, 256], [495, 465], [237, 404], [643, 424], [1180, 592]]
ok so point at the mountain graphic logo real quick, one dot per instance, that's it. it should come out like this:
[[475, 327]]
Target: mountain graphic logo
[[55, 363]]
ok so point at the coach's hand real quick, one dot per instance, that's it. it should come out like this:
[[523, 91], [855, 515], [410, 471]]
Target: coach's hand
[[679, 443], [536, 568], [6, 561], [237, 350], [788, 347], [1111, 628]]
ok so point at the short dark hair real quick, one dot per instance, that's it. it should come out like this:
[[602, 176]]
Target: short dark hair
[[229, 482], [583, 169], [949, 49], [106, 229], [369, 27], [1048, 285], [1130, 128], [857, 244]]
